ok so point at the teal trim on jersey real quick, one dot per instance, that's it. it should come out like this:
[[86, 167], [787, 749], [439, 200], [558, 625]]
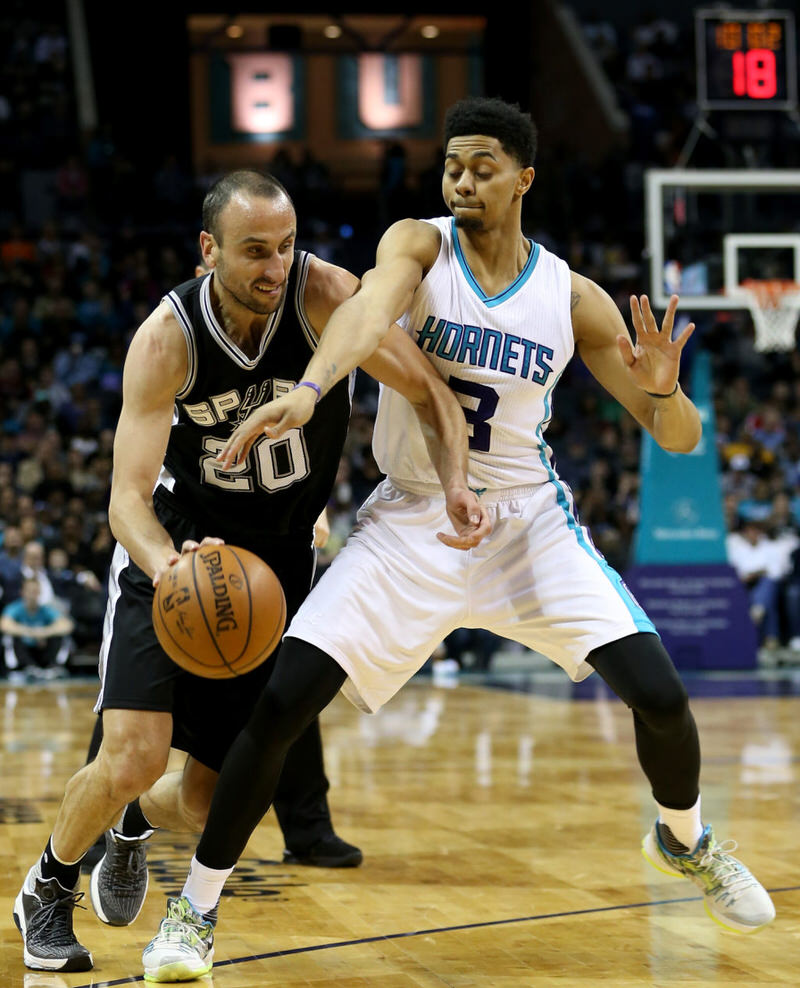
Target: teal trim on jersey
[[640, 618], [513, 288]]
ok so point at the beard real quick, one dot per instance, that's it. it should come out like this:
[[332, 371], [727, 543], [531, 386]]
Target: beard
[[469, 223], [250, 301]]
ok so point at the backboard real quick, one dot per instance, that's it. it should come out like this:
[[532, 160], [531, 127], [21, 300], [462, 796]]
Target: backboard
[[708, 231]]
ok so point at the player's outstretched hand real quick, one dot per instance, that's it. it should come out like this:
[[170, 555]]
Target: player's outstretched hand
[[189, 545], [469, 519], [290, 411], [655, 359]]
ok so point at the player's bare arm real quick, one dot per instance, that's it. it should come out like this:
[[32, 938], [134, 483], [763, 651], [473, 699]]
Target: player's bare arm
[[356, 327], [155, 369], [643, 377], [398, 364], [353, 326], [327, 286]]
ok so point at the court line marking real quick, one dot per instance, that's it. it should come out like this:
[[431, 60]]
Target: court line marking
[[421, 933]]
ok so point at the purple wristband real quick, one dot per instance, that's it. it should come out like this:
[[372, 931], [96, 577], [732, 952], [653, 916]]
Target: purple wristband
[[314, 387]]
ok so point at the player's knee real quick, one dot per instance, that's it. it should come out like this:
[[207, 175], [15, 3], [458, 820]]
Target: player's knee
[[194, 812], [131, 770], [275, 722], [664, 706]]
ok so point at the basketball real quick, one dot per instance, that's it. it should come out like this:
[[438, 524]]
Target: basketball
[[219, 612]]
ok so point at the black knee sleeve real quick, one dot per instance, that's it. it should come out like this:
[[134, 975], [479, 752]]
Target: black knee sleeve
[[639, 670], [303, 683]]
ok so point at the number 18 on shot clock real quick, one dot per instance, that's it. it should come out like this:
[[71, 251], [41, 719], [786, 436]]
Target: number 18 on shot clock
[[746, 60]]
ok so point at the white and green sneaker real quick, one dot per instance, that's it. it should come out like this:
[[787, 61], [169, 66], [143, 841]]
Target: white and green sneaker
[[733, 896], [183, 948]]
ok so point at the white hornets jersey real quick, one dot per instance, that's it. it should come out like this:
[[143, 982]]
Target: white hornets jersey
[[501, 355]]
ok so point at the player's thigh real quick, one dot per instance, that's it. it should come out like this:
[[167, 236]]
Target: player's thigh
[[389, 597], [135, 672], [208, 714], [548, 588]]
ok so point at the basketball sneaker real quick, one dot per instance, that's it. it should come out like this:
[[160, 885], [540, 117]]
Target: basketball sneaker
[[43, 914], [327, 852], [119, 880], [183, 948], [732, 895]]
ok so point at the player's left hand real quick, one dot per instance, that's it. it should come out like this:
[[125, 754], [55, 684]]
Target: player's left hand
[[273, 419], [654, 361], [469, 518]]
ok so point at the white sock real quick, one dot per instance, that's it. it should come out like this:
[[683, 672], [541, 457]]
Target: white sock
[[204, 886], [686, 825]]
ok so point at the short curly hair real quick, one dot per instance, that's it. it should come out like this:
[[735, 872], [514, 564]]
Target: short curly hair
[[224, 189], [493, 117]]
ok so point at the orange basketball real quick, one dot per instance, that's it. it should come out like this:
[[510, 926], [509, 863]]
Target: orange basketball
[[219, 612]]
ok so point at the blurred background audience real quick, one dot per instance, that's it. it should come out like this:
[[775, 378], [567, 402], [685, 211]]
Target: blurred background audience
[[89, 243]]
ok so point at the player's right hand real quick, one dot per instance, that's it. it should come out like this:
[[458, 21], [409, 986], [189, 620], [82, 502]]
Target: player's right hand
[[290, 411], [188, 545], [468, 517]]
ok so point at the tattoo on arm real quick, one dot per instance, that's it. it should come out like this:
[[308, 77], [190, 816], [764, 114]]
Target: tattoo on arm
[[328, 378], [574, 298]]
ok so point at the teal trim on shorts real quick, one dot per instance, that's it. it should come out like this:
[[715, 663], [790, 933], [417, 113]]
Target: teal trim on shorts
[[638, 615]]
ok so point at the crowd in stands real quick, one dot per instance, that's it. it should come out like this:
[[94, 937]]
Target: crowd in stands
[[78, 274]]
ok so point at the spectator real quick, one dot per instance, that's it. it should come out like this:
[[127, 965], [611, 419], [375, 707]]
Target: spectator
[[79, 596], [72, 191], [33, 568], [35, 637], [758, 565], [11, 563], [17, 248], [50, 45]]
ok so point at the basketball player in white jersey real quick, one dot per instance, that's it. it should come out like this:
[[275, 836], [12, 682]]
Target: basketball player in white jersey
[[499, 317]]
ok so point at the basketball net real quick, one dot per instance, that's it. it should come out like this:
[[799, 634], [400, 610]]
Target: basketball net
[[774, 304]]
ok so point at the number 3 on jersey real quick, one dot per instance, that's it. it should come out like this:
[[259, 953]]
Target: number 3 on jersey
[[479, 415], [278, 463]]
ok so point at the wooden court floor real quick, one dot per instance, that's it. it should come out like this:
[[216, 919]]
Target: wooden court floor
[[501, 837]]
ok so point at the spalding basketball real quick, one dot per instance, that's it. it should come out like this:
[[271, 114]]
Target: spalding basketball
[[219, 612]]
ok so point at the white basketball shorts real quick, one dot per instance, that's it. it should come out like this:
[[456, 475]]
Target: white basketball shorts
[[394, 592]]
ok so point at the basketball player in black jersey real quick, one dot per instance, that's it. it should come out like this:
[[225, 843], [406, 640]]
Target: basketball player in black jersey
[[215, 349], [328, 852]]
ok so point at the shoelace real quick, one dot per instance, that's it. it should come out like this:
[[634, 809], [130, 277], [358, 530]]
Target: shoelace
[[177, 928], [54, 920], [732, 874], [127, 864]]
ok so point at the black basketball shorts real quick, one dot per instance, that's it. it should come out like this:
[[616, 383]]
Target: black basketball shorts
[[136, 673]]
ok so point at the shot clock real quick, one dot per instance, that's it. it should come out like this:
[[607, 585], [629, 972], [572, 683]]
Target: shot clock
[[746, 60]]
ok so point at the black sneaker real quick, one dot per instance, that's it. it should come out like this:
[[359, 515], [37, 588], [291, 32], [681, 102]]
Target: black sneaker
[[327, 852], [119, 880], [43, 914]]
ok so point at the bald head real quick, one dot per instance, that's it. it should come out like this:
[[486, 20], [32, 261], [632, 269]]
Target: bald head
[[240, 185]]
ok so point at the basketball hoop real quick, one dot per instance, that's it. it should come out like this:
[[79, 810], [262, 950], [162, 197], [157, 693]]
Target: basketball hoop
[[774, 304]]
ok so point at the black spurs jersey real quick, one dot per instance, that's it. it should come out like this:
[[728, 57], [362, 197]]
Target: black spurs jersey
[[284, 484]]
